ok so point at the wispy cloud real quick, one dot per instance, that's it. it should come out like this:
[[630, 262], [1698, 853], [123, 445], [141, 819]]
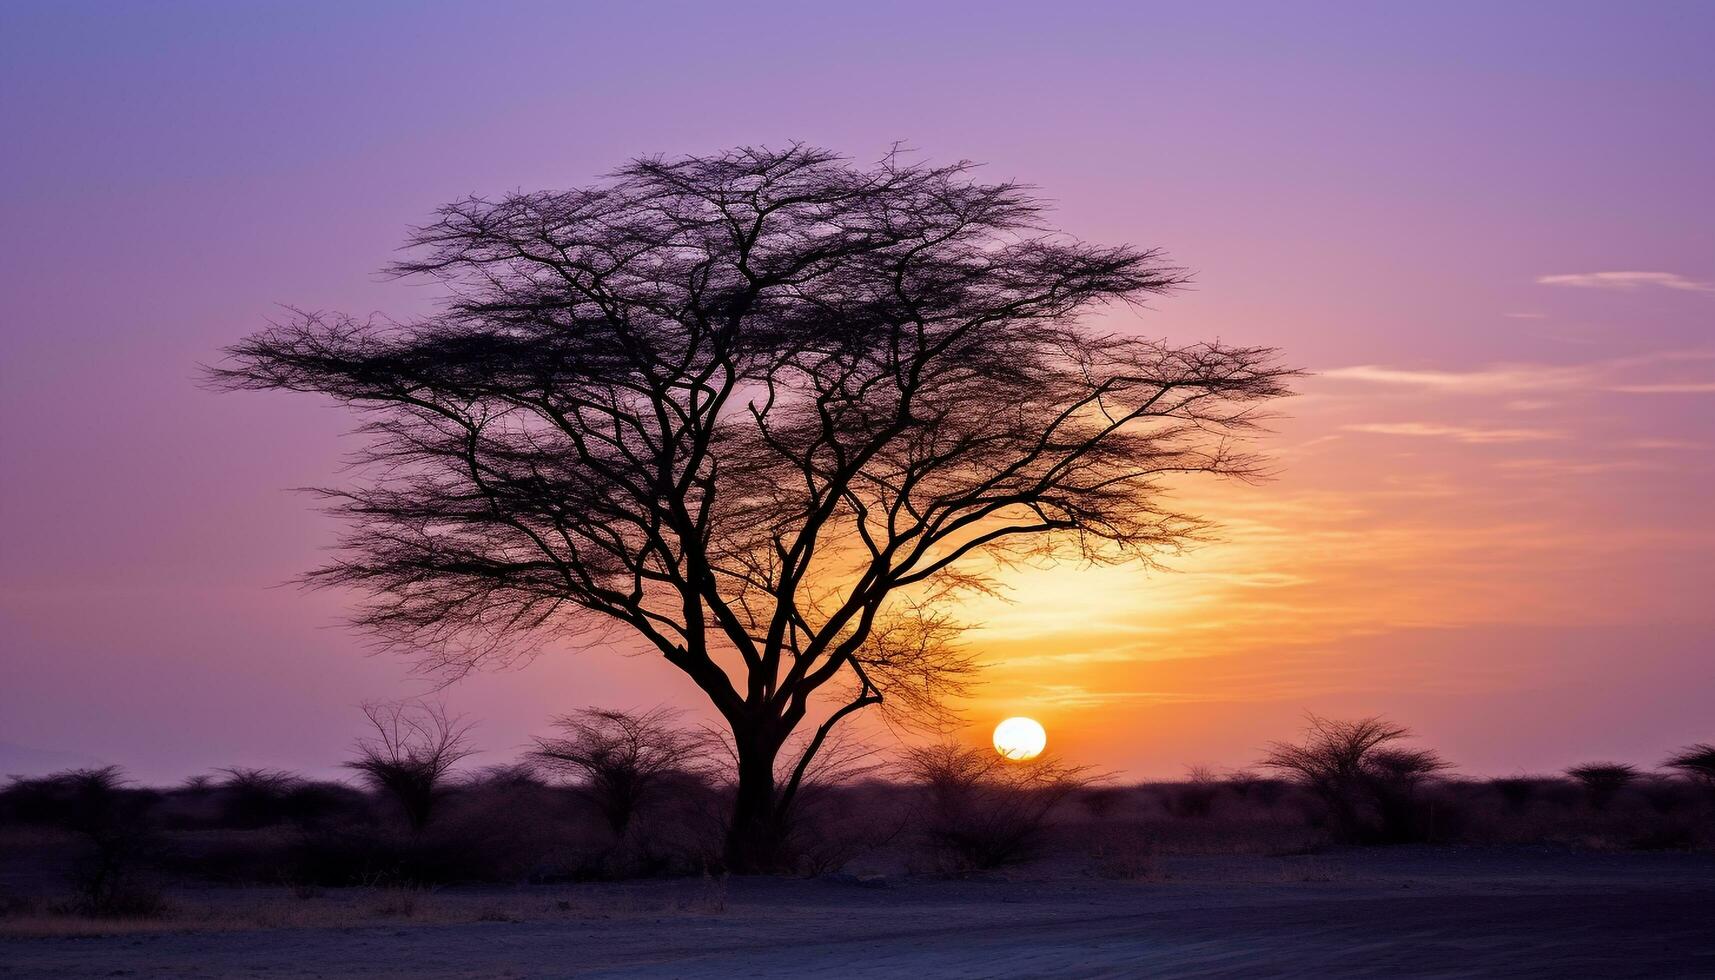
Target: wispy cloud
[[1666, 444], [1615, 375], [1627, 281], [1460, 433], [1516, 377], [1560, 468], [1668, 388], [1074, 696]]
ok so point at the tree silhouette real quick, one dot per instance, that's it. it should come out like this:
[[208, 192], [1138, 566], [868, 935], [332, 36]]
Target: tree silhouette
[[1367, 782], [410, 754], [1602, 781], [983, 810], [757, 408], [622, 757], [1695, 762]]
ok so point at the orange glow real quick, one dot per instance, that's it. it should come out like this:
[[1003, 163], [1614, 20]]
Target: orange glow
[[1388, 569]]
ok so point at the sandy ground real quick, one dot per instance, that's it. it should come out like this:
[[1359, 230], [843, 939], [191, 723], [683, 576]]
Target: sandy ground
[[1406, 912]]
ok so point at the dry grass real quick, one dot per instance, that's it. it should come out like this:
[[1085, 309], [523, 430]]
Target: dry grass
[[1127, 854], [238, 909], [513, 846]]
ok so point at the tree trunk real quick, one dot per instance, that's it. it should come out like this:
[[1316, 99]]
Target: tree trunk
[[753, 843]]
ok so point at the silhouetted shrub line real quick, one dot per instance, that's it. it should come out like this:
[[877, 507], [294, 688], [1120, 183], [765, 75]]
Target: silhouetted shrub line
[[621, 795]]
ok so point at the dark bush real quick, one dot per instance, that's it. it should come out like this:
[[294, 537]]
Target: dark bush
[[1195, 797], [1602, 781], [80, 800], [1517, 791], [1367, 786], [1696, 763], [1395, 777], [254, 797], [112, 821], [1249, 785], [983, 811], [411, 755], [1666, 796], [620, 759]]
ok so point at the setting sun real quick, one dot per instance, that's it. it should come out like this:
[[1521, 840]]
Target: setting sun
[[1020, 738]]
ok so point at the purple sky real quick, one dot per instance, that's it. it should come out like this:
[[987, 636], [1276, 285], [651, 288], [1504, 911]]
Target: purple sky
[[1489, 227]]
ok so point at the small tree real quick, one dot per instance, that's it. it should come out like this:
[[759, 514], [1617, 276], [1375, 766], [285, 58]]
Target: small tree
[[414, 747], [1602, 781], [1367, 786], [1696, 763], [620, 757]]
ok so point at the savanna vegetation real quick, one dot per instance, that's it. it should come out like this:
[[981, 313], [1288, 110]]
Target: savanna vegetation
[[622, 794]]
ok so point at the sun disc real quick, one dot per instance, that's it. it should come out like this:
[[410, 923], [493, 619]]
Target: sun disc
[[1020, 738]]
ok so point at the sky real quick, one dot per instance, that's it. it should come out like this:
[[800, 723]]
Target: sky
[[1486, 230]]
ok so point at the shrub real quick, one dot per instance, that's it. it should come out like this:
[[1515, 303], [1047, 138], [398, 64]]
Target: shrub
[[411, 754], [1665, 795], [252, 798], [984, 811], [1195, 797], [1517, 791], [1394, 777], [1367, 785], [112, 820], [620, 759], [833, 826], [80, 800], [1247, 784], [1696, 763], [105, 884], [1602, 781]]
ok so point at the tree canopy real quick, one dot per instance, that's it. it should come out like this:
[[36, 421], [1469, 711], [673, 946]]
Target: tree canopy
[[765, 409]]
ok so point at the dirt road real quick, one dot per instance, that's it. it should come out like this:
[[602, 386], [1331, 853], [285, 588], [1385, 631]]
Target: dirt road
[[1421, 914]]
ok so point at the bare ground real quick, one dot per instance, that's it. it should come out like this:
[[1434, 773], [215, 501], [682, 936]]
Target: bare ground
[[1421, 912]]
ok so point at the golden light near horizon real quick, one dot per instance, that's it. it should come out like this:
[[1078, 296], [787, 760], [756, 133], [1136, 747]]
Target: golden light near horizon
[[1020, 738]]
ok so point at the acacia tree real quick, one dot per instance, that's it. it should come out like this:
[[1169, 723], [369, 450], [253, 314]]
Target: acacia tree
[[1367, 782], [622, 757], [1696, 763], [766, 410], [413, 750]]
